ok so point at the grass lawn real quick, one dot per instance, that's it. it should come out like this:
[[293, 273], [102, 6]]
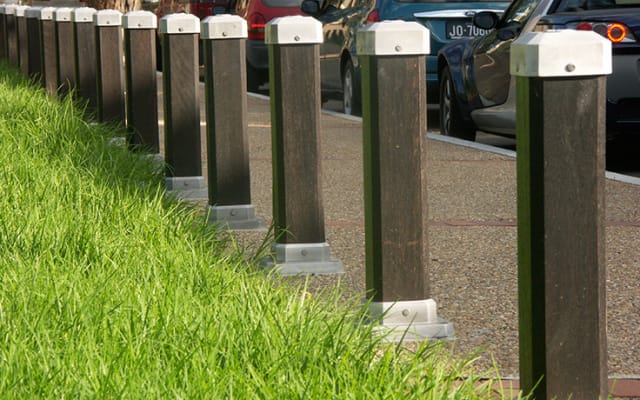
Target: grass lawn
[[110, 289]]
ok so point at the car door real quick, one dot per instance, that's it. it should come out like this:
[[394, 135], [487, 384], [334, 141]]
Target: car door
[[491, 54], [335, 17]]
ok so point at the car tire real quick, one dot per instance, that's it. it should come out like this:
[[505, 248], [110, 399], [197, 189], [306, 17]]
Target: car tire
[[253, 79], [351, 101], [452, 123]]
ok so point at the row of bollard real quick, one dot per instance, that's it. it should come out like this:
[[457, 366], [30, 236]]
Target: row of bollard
[[560, 164]]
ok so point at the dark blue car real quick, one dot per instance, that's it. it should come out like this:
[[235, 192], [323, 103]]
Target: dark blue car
[[478, 93], [341, 19]]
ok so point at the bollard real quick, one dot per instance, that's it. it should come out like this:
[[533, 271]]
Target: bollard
[[229, 181], [34, 43], [180, 77], [394, 121], [298, 214], [22, 40], [85, 62], [12, 33], [110, 73], [66, 50], [49, 50], [560, 110], [141, 82], [3, 33]]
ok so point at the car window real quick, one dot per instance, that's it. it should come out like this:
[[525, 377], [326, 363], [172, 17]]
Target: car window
[[518, 12], [338, 4], [580, 5], [445, 1], [282, 3]]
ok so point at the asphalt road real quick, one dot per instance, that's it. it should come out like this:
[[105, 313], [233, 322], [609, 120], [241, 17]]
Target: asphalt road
[[623, 155]]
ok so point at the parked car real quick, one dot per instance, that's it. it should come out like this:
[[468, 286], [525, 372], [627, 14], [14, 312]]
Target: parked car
[[341, 19], [257, 13], [477, 91]]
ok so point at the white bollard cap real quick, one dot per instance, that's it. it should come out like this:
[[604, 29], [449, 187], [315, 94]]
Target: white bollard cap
[[63, 14], [179, 23], [223, 26], [20, 10], [293, 30], [83, 14], [393, 38], [10, 9], [107, 18], [33, 12], [140, 20], [560, 53], [47, 13]]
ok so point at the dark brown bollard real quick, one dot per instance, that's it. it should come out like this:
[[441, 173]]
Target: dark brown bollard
[[3, 33], [34, 43], [22, 40], [560, 114], [110, 68], [180, 79], [141, 80], [49, 50], [12, 33], [298, 214], [66, 50], [84, 35], [229, 181], [395, 164]]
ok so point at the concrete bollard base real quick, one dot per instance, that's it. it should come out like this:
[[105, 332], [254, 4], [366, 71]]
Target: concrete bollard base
[[237, 217], [187, 187], [302, 259], [410, 321]]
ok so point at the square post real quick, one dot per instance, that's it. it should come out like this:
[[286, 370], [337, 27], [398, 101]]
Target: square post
[[34, 43], [298, 213], [141, 81], [22, 40], [49, 50], [110, 69], [85, 63], [12, 33], [229, 181], [180, 79], [66, 50], [3, 33], [394, 126], [560, 110]]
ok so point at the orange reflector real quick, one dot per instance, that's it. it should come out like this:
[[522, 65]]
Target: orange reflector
[[616, 32]]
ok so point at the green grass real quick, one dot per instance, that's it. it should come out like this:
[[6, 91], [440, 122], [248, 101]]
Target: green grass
[[109, 289]]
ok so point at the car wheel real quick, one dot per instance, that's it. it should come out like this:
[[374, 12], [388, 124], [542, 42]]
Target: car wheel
[[253, 79], [350, 95], [451, 121]]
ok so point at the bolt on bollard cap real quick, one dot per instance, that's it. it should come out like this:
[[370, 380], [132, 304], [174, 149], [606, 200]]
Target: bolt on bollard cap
[[47, 13], [293, 30], [393, 38], [225, 26], [140, 20], [107, 18], [179, 23], [83, 14], [559, 53], [63, 14], [33, 12]]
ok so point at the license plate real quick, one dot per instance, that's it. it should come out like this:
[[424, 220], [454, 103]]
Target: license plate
[[463, 29]]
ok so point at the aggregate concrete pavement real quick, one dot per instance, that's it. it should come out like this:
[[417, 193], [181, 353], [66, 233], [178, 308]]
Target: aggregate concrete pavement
[[472, 238]]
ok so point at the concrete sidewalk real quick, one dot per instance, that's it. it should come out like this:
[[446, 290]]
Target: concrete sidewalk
[[472, 239]]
